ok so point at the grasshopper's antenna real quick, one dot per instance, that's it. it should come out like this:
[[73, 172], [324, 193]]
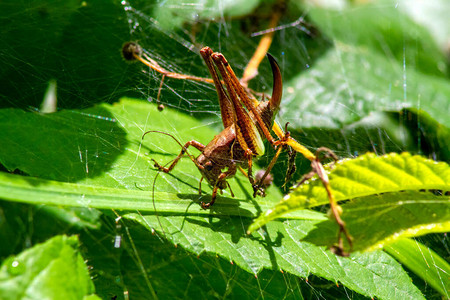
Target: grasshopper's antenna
[[175, 139], [153, 201], [159, 171]]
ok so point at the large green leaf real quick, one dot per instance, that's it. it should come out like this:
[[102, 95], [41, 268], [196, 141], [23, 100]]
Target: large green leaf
[[103, 146], [53, 270], [279, 247], [362, 81], [382, 61], [223, 232]]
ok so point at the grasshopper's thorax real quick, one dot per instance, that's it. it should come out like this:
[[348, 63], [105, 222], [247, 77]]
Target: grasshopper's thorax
[[221, 154]]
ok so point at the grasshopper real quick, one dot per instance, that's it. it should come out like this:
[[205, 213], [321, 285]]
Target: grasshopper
[[244, 133], [247, 123]]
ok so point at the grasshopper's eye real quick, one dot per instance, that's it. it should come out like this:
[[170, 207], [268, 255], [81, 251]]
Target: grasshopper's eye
[[208, 166]]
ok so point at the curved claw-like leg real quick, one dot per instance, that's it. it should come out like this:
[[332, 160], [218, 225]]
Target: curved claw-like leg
[[206, 205], [221, 179]]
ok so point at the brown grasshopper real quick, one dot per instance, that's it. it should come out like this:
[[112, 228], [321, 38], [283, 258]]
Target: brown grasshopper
[[247, 123]]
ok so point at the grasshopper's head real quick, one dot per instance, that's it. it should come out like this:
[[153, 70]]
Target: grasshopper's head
[[211, 171]]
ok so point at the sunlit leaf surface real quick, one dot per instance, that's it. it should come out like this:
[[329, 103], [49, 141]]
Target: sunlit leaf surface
[[386, 193]]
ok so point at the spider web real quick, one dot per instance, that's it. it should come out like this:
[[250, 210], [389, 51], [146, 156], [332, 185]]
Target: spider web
[[172, 33], [222, 36]]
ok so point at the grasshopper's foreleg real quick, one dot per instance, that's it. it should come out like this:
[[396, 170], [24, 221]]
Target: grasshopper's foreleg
[[193, 143], [222, 177]]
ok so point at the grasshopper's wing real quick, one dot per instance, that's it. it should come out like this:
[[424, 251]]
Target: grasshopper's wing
[[262, 114], [247, 132]]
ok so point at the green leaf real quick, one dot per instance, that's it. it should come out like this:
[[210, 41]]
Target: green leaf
[[103, 146], [384, 58], [67, 41], [279, 247], [51, 270], [174, 13], [424, 262], [369, 175], [39, 191], [199, 231], [320, 98]]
